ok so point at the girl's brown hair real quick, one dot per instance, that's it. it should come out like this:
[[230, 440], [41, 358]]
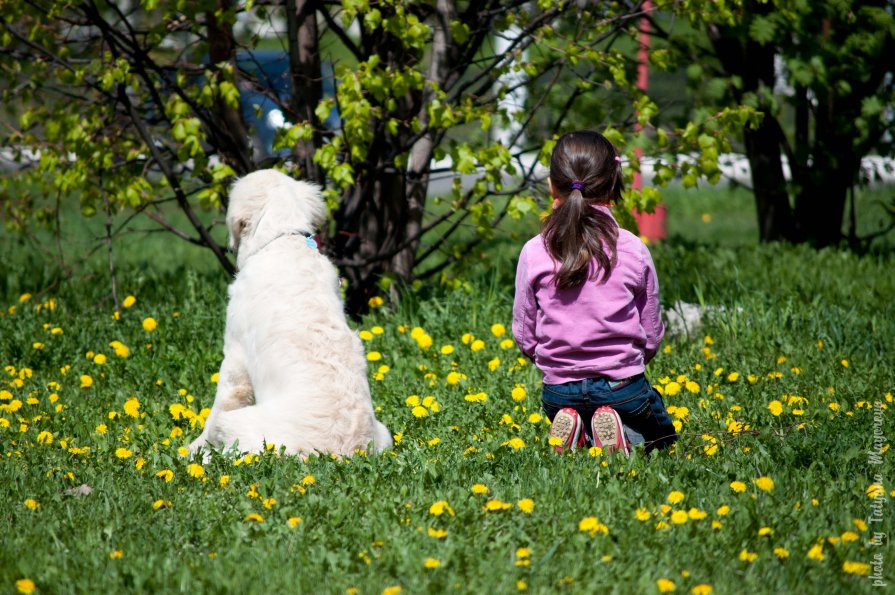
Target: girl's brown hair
[[584, 169]]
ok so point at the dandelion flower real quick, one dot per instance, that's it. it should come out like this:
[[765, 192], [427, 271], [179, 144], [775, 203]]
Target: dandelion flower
[[254, 517], [149, 324], [515, 443], [665, 585], [447, 349], [675, 497], [165, 474], [518, 393], [195, 470], [875, 490], [701, 589], [764, 483], [526, 505], [440, 507], [25, 585], [765, 531], [859, 568], [419, 411], [672, 388], [293, 521], [498, 330], [679, 517], [375, 302], [776, 407], [121, 350], [816, 552], [374, 356], [453, 378], [431, 563], [781, 552], [495, 505], [479, 489], [747, 556], [642, 514], [738, 486], [31, 504], [477, 345], [593, 526], [86, 381], [132, 407], [437, 533], [123, 453]]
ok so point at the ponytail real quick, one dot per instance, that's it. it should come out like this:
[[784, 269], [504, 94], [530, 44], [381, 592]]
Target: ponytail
[[584, 168], [576, 234]]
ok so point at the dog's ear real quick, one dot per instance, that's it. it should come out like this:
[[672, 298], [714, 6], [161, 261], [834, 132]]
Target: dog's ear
[[238, 229]]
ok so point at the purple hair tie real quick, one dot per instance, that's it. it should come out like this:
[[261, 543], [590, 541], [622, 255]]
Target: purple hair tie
[[576, 185]]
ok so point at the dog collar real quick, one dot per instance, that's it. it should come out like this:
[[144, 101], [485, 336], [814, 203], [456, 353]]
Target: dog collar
[[309, 239]]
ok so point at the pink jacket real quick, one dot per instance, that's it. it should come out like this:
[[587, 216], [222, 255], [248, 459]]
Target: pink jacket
[[608, 328]]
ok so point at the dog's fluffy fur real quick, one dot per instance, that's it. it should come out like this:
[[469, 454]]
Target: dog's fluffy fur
[[294, 374]]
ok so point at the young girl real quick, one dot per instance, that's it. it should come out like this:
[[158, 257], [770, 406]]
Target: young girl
[[587, 310]]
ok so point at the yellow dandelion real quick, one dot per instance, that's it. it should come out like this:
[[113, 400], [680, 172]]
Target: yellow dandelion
[[129, 301], [738, 486], [747, 556], [479, 489], [86, 381], [816, 552], [665, 585], [375, 302], [437, 533], [675, 497], [875, 490], [477, 345], [149, 324], [31, 504], [431, 563], [526, 505], [498, 330], [515, 443], [844, 363], [764, 483], [374, 356], [123, 453], [254, 517], [679, 517], [165, 474], [496, 505], [308, 480], [195, 470], [701, 589], [776, 407], [593, 526], [781, 552], [441, 507], [642, 514], [518, 393], [293, 521], [765, 531], [132, 407], [121, 350], [859, 568]]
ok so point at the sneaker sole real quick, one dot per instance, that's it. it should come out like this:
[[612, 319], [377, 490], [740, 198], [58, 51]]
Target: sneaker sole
[[564, 428], [607, 428]]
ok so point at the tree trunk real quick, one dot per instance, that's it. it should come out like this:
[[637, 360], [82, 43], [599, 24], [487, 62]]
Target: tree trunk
[[304, 63], [230, 127]]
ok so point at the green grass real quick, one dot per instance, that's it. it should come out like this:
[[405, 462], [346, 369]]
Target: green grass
[[795, 318]]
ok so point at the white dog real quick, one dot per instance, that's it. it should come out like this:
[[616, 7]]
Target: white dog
[[294, 374]]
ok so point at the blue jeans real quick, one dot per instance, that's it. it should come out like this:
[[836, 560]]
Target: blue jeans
[[637, 403]]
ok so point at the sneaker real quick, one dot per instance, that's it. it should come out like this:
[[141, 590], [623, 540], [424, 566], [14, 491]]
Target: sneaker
[[567, 427], [608, 432]]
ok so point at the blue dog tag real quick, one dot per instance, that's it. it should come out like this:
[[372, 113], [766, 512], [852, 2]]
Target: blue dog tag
[[311, 242]]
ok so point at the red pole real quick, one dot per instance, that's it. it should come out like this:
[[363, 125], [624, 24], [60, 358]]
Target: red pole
[[652, 226]]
